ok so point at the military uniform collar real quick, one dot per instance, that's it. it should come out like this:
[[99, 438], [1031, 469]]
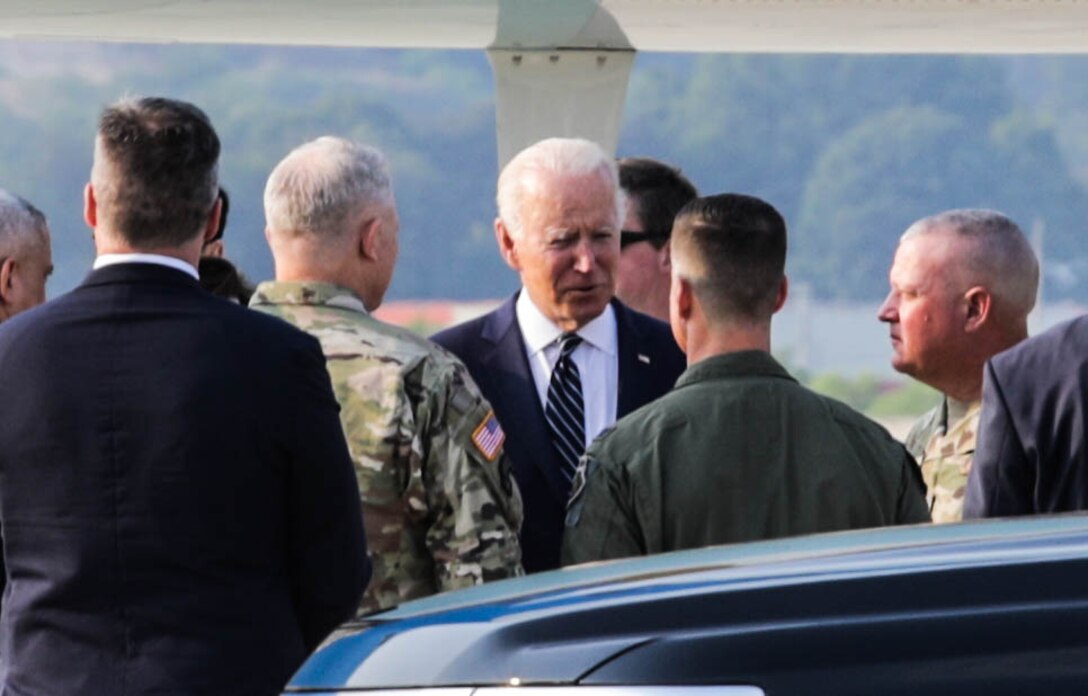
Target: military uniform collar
[[307, 293], [745, 363], [954, 412]]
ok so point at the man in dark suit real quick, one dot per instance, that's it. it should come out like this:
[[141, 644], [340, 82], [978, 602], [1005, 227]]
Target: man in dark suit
[[561, 360], [1031, 456], [177, 502]]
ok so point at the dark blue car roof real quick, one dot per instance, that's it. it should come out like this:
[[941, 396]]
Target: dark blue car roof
[[465, 633]]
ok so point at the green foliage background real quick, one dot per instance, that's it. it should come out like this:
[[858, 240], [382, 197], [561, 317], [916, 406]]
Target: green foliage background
[[850, 149]]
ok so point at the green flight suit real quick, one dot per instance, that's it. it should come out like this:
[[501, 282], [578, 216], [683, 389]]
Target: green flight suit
[[738, 451]]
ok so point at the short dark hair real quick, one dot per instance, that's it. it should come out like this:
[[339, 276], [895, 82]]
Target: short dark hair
[[222, 278], [738, 245], [224, 211], [659, 191], [156, 170]]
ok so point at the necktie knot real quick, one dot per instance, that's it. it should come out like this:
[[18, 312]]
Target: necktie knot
[[567, 343]]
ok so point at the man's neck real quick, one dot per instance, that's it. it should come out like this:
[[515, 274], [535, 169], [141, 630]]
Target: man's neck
[[732, 339], [299, 273], [189, 253]]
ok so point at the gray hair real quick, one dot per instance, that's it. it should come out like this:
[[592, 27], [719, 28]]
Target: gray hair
[[557, 156], [319, 186], [22, 226], [999, 253]]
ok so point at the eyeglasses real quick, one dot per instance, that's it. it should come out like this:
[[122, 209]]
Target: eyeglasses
[[628, 237]]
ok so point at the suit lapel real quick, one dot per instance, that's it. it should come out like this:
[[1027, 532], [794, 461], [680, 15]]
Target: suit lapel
[[636, 364], [508, 367]]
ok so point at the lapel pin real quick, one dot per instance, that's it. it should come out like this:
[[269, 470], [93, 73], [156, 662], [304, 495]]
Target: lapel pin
[[644, 358]]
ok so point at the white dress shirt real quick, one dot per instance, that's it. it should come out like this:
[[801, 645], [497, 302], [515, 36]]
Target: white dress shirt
[[597, 358], [169, 261]]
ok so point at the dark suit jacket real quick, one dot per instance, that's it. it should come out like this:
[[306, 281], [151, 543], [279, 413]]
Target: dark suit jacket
[[1031, 457], [493, 349], [178, 506]]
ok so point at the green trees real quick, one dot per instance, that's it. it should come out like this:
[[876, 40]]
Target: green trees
[[850, 148], [853, 149]]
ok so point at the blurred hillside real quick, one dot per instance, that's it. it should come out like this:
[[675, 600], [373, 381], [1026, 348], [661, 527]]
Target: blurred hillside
[[851, 149]]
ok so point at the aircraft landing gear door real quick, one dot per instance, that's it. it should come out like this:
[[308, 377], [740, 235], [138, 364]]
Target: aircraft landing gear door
[[572, 93]]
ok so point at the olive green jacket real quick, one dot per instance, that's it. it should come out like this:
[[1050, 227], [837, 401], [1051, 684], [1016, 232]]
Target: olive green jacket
[[738, 451]]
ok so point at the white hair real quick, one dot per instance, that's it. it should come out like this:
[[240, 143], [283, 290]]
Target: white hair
[[999, 252], [556, 156], [319, 186], [22, 226]]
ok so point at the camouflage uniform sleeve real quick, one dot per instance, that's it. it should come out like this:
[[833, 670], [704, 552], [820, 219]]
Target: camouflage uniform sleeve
[[475, 503], [600, 523]]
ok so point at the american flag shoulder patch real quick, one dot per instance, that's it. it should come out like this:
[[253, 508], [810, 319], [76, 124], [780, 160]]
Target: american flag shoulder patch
[[488, 436]]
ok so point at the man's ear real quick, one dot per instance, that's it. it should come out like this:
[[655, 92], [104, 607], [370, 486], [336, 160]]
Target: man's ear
[[664, 258], [783, 293], [90, 206], [507, 247], [685, 298], [979, 303], [211, 227], [214, 248], [7, 282], [369, 230]]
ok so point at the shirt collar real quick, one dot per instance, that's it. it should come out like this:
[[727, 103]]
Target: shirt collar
[[539, 332], [104, 260]]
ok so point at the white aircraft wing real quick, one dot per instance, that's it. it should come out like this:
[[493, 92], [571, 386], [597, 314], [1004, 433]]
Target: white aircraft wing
[[561, 66]]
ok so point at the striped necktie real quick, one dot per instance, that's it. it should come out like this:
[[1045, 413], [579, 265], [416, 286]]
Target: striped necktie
[[564, 411]]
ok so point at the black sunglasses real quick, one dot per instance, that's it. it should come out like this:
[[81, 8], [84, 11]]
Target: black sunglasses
[[628, 237]]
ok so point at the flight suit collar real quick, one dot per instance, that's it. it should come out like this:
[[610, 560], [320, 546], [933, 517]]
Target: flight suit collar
[[745, 363]]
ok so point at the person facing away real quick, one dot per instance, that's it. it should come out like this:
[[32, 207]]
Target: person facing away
[[441, 508], [26, 258], [962, 285], [217, 274], [561, 359], [738, 451], [177, 500], [655, 193]]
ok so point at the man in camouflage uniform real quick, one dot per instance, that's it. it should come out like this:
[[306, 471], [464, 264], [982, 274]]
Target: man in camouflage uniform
[[962, 285], [440, 507]]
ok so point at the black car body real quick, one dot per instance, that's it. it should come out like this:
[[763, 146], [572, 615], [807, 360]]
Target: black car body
[[996, 607]]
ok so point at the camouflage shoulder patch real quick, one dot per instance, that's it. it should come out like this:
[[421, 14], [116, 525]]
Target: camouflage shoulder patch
[[489, 436]]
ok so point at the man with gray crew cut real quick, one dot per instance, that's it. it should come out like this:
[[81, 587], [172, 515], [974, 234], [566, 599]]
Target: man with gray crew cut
[[26, 257], [441, 508], [738, 450], [962, 285]]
